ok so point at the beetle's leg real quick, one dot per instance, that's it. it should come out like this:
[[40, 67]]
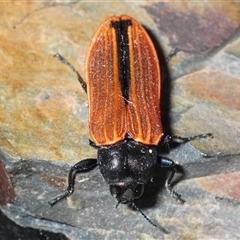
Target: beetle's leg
[[177, 139], [81, 166], [80, 79], [166, 162], [171, 54]]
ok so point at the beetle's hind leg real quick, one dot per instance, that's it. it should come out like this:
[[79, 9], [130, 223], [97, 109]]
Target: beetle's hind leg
[[80, 79]]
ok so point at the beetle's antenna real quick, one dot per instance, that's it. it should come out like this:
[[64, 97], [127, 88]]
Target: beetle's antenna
[[117, 204], [139, 210]]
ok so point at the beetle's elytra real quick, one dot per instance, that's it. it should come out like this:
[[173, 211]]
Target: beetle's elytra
[[123, 86], [123, 81]]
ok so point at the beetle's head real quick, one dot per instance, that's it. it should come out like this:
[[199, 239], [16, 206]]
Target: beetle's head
[[127, 167], [126, 194]]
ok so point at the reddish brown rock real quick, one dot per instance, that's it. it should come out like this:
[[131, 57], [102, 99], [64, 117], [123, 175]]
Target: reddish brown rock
[[44, 122], [7, 193]]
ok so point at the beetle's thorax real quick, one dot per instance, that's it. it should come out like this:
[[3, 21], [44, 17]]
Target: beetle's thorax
[[127, 165]]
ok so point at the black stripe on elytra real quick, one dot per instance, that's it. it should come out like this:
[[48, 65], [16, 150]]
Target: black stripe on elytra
[[123, 55]]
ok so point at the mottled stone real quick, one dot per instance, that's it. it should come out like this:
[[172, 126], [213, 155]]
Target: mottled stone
[[209, 102], [44, 119], [223, 185], [195, 27]]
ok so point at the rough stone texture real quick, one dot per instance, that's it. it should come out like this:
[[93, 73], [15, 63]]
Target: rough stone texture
[[44, 119], [194, 27]]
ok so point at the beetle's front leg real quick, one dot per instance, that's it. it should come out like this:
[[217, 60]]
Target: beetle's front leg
[[166, 162], [82, 166]]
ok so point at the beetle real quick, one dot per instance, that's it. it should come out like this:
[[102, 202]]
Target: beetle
[[123, 83]]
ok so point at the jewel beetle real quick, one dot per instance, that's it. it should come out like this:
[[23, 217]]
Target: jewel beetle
[[123, 84]]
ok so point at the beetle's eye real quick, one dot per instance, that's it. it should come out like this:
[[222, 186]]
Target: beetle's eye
[[115, 191], [139, 191]]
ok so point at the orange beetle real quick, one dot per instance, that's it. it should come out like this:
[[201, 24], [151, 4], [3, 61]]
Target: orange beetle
[[123, 86]]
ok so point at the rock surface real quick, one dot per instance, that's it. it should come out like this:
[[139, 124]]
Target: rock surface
[[44, 120]]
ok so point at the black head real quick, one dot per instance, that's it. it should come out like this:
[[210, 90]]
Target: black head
[[127, 193], [127, 167]]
